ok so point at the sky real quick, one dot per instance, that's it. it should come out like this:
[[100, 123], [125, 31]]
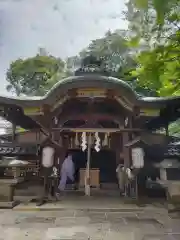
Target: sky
[[62, 27]]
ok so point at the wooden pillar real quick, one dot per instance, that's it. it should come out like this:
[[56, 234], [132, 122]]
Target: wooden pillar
[[167, 130], [117, 147], [13, 132], [87, 175], [125, 140], [126, 136], [126, 152], [134, 124], [126, 156]]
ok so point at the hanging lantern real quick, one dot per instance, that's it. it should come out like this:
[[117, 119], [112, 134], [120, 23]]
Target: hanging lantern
[[76, 140], [137, 157], [84, 141], [97, 142]]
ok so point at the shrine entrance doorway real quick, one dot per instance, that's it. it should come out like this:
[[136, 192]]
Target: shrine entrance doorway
[[104, 161], [100, 127], [96, 157]]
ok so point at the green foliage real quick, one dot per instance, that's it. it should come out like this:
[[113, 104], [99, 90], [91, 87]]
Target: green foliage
[[112, 49], [174, 128], [32, 76], [157, 23], [36, 75], [162, 7]]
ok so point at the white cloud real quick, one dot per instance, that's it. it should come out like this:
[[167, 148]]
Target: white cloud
[[63, 27]]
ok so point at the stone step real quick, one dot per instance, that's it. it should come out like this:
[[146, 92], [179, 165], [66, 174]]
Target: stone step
[[110, 186], [8, 205], [88, 204]]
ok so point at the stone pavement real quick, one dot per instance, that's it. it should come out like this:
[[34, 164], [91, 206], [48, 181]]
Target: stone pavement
[[89, 224]]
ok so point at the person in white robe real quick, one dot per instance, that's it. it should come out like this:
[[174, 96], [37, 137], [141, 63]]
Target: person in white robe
[[67, 171], [121, 178]]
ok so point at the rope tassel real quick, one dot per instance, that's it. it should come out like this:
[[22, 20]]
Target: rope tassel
[[105, 141], [76, 140]]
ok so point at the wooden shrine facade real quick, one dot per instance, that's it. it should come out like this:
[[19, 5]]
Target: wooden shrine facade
[[90, 103]]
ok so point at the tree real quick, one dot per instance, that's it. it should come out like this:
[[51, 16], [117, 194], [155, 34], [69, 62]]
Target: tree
[[112, 50], [35, 75], [156, 23], [117, 56]]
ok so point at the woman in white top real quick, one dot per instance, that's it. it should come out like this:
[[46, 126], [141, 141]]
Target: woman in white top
[[48, 153]]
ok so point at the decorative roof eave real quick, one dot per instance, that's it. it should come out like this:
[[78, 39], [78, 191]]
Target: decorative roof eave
[[159, 102], [88, 81], [59, 89], [59, 93], [92, 81]]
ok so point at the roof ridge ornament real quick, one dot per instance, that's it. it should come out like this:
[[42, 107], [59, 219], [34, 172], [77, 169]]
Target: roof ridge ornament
[[91, 65]]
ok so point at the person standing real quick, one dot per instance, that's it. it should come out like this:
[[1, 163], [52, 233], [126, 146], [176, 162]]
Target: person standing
[[48, 153], [67, 172]]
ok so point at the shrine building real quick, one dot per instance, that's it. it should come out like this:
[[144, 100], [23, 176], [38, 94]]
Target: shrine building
[[93, 112]]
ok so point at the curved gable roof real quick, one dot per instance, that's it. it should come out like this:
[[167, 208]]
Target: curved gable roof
[[88, 81], [168, 105], [60, 88], [92, 81]]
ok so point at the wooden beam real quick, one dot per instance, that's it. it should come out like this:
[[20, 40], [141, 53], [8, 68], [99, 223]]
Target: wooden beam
[[103, 130], [50, 137], [85, 116]]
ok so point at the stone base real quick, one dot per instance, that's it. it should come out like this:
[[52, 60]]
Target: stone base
[[8, 205], [6, 193], [174, 192], [7, 187]]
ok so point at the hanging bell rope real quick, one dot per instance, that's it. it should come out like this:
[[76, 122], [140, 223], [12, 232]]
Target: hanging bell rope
[[76, 140], [105, 141], [71, 142], [109, 140]]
